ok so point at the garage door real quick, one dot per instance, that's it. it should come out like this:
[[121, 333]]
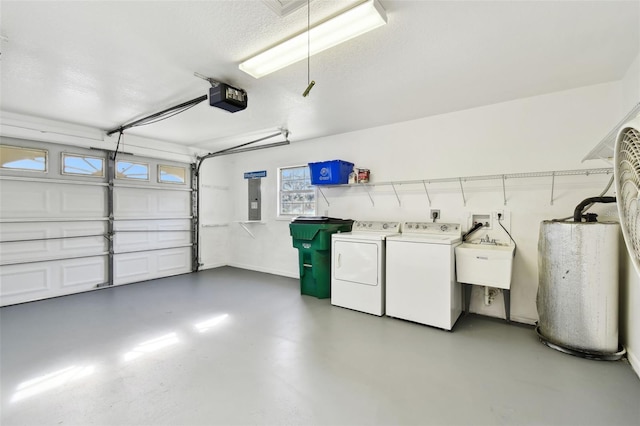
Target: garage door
[[152, 219], [73, 220]]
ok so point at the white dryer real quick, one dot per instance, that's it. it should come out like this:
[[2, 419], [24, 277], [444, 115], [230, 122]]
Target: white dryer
[[358, 266], [421, 282]]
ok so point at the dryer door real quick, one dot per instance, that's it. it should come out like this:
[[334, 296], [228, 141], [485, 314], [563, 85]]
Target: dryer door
[[356, 261]]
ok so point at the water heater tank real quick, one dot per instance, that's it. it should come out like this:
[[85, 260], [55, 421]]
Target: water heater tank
[[578, 287]]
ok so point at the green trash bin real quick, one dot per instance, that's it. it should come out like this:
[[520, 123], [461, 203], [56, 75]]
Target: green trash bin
[[312, 237]]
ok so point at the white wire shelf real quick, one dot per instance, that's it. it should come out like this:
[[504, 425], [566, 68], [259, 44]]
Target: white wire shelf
[[462, 179], [604, 149]]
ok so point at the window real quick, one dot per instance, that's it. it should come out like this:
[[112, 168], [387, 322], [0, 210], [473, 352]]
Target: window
[[73, 164], [171, 174], [296, 195], [129, 170], [18, 158]]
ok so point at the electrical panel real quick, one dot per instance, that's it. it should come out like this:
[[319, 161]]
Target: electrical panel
[[255, 209]]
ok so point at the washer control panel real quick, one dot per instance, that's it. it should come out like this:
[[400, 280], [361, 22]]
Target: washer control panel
[[373, 226], [431, 228]]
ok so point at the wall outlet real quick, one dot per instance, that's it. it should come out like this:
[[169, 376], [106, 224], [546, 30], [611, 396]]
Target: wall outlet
[[434, 214]]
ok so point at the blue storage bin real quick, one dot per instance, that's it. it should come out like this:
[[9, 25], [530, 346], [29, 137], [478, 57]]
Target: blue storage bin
[[333, 172]]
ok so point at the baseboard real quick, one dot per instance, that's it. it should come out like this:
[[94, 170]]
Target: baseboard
[[523, 320], [634, 361], [265, 270], [514, 318], [212, 265]]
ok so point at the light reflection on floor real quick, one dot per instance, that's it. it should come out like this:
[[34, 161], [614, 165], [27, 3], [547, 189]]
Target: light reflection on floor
[[52, 380], [152, 345], [210, 323], [72, 374]]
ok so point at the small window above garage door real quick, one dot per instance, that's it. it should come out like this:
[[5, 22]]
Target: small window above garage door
[[130, 170], [73, 164], [172, 174], [19, 158]]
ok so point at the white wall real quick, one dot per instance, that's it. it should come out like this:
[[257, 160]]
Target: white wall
[[630, 85], [544, 133]]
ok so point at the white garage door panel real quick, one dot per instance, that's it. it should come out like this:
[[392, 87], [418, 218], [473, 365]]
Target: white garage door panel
[[36, 230], [176, 261], [52, 249], [135, 241], [33, 281], [160, 234], [134, 202], [84, 272], [133, 267], [51, 200], [21, 279], [153, 225]]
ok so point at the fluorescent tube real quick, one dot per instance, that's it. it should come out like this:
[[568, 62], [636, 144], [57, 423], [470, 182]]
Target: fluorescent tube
[[349, 24]]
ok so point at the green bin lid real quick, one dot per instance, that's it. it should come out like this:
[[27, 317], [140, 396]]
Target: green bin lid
[[321, 220]]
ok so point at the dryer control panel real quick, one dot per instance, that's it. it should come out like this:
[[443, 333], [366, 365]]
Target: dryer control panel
[[431, 228], [374, 226]]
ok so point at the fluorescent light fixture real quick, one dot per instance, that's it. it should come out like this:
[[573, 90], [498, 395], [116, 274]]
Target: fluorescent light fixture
[[349, 24]]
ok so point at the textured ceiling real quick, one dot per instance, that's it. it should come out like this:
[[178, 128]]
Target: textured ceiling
[[102, 64]]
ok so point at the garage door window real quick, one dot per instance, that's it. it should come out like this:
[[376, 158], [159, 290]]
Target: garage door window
[[18, 158], [82, 165], [296, 195], [171, 174], [130, 170]]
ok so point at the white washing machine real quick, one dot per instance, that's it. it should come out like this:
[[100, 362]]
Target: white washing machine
[[421, 282], [358, 266]]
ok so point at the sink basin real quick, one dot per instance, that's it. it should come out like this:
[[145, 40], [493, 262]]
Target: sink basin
[[488, 265]]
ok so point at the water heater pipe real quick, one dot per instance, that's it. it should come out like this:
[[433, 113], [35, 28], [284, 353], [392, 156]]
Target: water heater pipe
[[577, 213]]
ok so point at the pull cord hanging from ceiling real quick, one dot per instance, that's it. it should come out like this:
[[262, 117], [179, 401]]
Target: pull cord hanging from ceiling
[[310, 83]]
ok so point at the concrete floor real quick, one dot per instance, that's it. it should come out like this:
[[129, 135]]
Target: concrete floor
[[229, 346]]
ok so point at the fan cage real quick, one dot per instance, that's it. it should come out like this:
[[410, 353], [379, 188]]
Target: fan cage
[[627, 176]]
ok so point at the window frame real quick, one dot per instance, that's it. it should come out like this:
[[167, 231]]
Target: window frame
[[159, 177], [24, 148], [130, 178], [279, 191], [73, 154]]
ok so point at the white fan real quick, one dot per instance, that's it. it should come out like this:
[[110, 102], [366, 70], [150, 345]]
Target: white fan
[[627, 176]]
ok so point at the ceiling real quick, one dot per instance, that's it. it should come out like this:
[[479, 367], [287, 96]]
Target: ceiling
[[103, 64]]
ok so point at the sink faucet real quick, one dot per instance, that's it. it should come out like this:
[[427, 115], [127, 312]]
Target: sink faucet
[[488, 240]]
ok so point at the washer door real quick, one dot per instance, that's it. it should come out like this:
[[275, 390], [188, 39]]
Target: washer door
[[356, 262]]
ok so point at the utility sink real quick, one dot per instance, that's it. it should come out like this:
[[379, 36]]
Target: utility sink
[[485, 264]]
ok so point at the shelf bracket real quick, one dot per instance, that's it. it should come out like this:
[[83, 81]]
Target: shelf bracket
[[369, 194], [396, 192], [247, 229], [464, 200], [323, 196], [553, 183], [426, 192], [504, 190]]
